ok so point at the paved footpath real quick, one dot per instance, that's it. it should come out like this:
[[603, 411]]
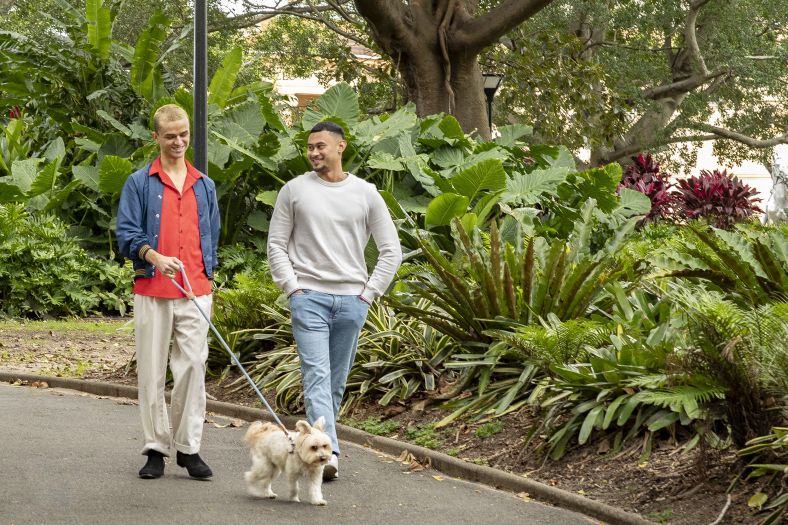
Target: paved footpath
[[72, 458]]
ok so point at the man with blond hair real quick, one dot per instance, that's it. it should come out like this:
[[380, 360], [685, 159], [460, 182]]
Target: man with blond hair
[[167, 219]]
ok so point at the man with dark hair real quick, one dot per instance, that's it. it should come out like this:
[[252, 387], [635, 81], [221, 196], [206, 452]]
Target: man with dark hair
[[327, 125], [321, 224], [167, 218]]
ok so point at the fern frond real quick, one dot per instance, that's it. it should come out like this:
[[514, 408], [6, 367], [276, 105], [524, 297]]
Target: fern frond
[[681, 395]]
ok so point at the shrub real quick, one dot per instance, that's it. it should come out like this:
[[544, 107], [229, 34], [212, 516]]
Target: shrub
[[749, 263], [719, 197], [741, 349], [238, 308], [644, 176], [45, 273]]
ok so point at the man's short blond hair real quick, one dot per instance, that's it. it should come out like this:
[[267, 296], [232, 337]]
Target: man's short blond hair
[[168, 113]]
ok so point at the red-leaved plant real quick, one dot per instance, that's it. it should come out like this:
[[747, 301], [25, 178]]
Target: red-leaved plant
[[643, 175], [717, 196]]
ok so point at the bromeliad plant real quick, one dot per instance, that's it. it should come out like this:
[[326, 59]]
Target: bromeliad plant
[[505, 374], [490, 285], [644, 175], [718, 197], [621, 381], [398, 357], [622, 387], [491, 281]]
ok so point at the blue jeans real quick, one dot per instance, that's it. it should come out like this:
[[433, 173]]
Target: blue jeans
[[326, 329]]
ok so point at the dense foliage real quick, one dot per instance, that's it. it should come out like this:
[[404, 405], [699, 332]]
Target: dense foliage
[[45, 273], [526, 282], [717, 196], [644, 175]]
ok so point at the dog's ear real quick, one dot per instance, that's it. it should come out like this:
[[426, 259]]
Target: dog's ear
[[303, 427], [320, 424]]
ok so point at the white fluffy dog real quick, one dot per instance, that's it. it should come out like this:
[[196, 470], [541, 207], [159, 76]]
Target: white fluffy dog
[[271, 455]]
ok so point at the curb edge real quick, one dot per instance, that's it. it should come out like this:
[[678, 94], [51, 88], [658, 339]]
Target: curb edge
[[444, 463]]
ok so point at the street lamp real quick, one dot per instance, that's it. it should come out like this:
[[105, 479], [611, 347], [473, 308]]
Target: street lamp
[[492, 81], [200, 114]]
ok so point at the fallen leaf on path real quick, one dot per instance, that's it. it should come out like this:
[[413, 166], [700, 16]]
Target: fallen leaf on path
[[757, 500], [40, 384], [235, 423], [414, 465], [439, 478], [524, 496]]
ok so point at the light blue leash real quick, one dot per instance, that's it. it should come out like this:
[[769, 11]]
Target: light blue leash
[[189, 293]]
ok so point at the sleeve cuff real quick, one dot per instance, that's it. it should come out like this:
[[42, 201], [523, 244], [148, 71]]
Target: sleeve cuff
[[145, 248], [290, 287], [368, 296]]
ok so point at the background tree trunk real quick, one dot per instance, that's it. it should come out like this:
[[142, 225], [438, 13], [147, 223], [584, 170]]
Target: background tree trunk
[[426, 85], [436, 45]]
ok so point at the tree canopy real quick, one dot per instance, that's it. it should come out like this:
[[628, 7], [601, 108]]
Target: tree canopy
[[614, 77]]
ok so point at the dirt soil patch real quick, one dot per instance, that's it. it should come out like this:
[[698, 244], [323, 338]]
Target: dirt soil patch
[[666, 487]]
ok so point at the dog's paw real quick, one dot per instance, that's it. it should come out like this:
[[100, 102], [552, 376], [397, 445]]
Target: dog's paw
[[295, 499], [259, 492], [320, 502]]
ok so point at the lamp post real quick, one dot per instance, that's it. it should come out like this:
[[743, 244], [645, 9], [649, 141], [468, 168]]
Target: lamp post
[[492, 81], [200, 114]]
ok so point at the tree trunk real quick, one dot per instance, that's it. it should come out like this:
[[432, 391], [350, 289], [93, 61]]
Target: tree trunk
[[436, 45], [426, 80]]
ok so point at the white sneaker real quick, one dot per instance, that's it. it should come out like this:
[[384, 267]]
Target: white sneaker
[[331, 469]]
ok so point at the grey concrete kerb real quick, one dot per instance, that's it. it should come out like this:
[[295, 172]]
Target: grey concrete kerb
[[442, 462]]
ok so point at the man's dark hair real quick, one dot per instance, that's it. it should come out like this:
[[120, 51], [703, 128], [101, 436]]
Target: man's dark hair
[[329, 126]]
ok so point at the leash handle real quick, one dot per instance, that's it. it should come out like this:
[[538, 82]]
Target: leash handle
[[189, 293]]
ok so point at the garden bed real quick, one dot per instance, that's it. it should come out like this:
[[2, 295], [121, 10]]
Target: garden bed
[[667, 487]]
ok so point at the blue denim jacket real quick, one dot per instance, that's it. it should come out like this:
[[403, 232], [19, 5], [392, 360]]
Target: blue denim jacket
[[139, 219]]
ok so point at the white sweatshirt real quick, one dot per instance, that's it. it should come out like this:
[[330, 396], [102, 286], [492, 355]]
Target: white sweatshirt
[[318, 233]]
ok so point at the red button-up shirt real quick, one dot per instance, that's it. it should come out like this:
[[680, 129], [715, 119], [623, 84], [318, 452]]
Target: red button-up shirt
[[179, 236]]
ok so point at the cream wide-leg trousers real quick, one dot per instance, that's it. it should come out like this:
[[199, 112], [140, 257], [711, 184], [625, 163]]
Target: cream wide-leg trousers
[[156, 323]]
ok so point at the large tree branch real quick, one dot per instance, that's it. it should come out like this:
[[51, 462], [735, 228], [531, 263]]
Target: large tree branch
[[257, 14], [690, 35], [681, 87], [254, 19], [716, 134], [337, 6], [722, 133], [484, 30], [387, 20], [637, 147]]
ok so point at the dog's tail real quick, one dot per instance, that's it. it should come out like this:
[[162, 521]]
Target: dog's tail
[[257, 429]]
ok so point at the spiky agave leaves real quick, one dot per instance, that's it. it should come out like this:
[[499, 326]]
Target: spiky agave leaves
[[494, 284], [750, 266]]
